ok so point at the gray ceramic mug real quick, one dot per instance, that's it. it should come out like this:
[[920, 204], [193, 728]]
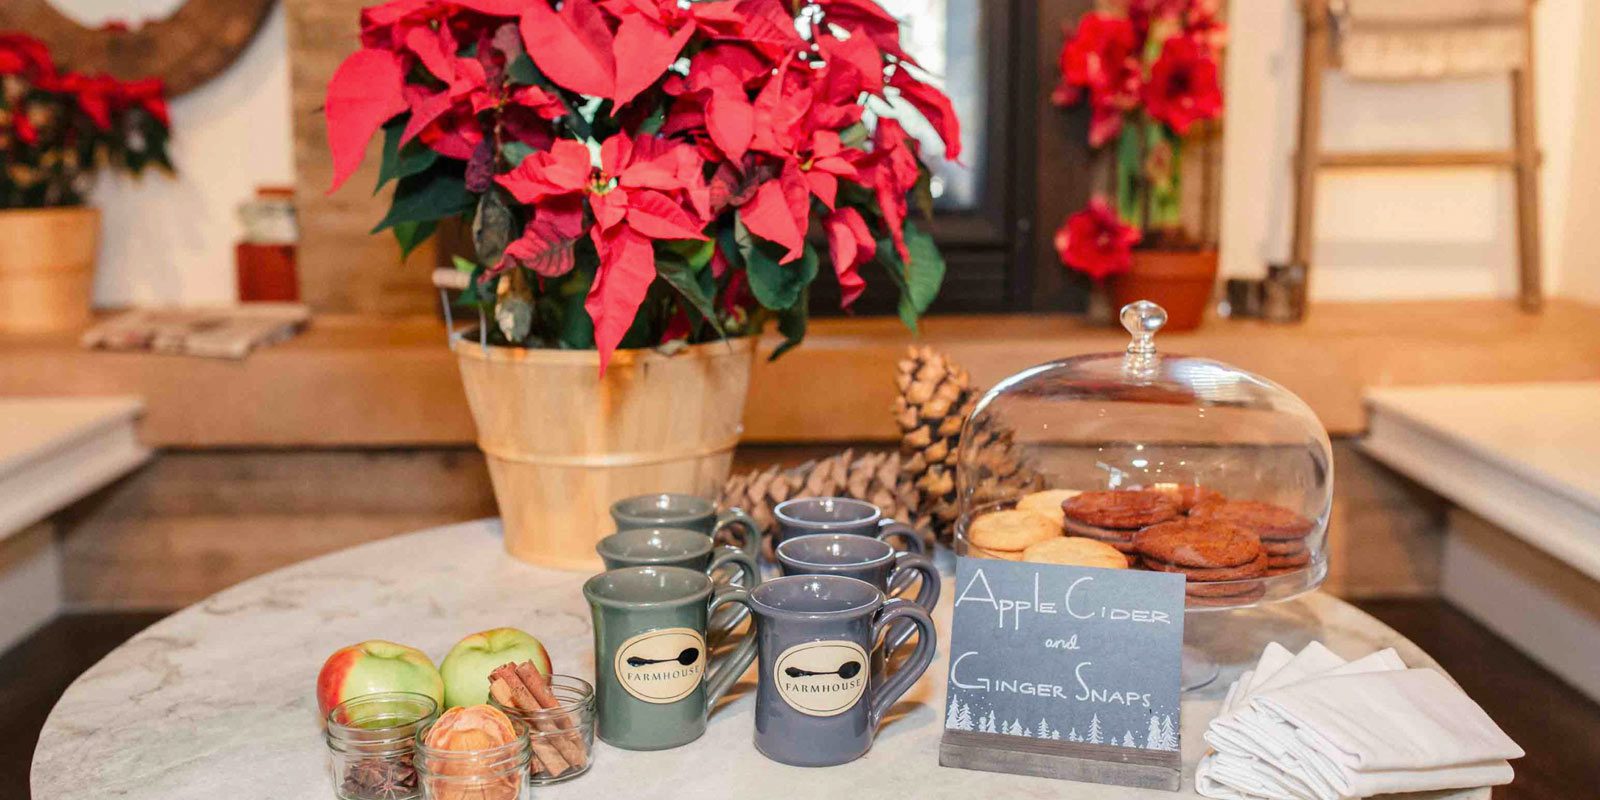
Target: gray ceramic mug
[[871, 560], [667, 510], [681, 547], [804, 516], [818, 701], [655, 681]]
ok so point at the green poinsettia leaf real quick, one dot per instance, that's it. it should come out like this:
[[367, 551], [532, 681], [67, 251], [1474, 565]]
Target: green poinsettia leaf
[[410, 235], [432, 195], [777, 286], [401, 161], [685, 278], [792, 324], [918, 281]]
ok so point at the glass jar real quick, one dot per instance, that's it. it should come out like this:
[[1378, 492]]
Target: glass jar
[[493, 773], [561, 737], [371, 745]]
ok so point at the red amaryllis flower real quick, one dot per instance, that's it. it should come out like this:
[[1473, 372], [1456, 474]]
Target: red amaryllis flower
[[1102, 60], [1183, 87], [1096, 242], [1101, 57]]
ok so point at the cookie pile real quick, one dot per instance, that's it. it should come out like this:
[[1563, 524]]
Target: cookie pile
[[1220, 546], [1283, 533]]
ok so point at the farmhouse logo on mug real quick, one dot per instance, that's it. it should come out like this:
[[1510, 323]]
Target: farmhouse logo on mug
[[821, 679], [661, 666]]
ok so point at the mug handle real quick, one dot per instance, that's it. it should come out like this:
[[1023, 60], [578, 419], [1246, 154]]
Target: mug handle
[[896, 683], [752, 531], [725, 620], [906, 565], [890, 528], [724, 670]]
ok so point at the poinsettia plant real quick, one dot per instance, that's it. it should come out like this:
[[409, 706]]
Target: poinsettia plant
[[1149, 72], [58, 127], [640, 172]]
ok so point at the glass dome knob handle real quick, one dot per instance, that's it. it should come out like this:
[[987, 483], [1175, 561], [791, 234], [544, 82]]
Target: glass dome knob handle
[[1143, 319]]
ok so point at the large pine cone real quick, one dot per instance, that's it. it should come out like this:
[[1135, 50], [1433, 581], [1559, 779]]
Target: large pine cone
[[874, 477]]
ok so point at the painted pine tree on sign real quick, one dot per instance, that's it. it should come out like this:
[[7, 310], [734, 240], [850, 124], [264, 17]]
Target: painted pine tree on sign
[[1169, 733], [1095, 736]]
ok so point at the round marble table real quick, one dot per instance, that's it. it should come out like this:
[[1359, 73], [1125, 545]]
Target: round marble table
[[216, 700]]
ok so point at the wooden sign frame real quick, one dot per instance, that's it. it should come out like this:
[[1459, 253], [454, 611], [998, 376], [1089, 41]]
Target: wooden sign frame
[[1070, 761]]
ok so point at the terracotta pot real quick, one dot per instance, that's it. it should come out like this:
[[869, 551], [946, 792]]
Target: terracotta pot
[[563, 444], [1180, 281], [47, 268]]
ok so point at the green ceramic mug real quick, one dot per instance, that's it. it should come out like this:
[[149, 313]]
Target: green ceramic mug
[[655, 681], [681, 547], [667, 510]]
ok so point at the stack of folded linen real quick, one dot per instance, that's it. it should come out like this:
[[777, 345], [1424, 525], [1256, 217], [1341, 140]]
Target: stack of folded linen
[[1313, 726]]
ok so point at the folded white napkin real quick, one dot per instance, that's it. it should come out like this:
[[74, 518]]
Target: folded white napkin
[[1311, 725]]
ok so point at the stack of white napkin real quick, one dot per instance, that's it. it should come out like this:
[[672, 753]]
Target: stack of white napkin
[[1313, 726]]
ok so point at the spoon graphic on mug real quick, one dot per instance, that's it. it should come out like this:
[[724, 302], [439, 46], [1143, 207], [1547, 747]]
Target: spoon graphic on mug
[[685, 658], [847, 670]]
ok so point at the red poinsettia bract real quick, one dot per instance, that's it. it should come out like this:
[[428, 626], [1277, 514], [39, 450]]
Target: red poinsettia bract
[[1096, 242]]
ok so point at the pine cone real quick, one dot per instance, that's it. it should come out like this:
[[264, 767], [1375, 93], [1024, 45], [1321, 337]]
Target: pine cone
[[874, 477], [936, 397]]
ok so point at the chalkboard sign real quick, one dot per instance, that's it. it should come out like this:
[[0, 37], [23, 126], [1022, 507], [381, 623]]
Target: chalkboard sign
[[1065, 672]]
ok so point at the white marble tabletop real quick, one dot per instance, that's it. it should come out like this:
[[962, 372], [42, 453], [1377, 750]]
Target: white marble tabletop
[[216, 700]]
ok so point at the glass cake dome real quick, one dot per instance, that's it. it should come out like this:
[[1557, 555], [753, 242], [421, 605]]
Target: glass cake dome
[[1180, 464]]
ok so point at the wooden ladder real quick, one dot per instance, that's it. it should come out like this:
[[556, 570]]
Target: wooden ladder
[[1522, 157]]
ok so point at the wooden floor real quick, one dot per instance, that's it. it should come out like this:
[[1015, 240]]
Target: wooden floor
[[1559, 727]]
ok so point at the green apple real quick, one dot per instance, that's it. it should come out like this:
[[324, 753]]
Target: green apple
[[376, 666], [466, 669]]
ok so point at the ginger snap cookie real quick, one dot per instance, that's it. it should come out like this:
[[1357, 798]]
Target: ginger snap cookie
[[1010, 530], [1255, 569], [1264, 519], [1120, 539], [1187, 495], [1224, 601], [1283, 547], [1198, 543], [1076, 551], [1123, 509], [1047, 503], [1295, 561]]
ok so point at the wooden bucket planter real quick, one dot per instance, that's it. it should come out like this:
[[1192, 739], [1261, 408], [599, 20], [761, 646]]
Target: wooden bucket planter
[[563, 443], [47, 268]]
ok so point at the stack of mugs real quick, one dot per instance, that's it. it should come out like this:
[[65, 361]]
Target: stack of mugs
[[823, 632]]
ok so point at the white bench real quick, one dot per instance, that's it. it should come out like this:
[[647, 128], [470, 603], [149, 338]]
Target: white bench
[[1521, 463], [53, 452]]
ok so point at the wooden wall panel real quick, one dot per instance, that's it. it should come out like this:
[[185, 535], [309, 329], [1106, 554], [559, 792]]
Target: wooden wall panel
[[342, 267]]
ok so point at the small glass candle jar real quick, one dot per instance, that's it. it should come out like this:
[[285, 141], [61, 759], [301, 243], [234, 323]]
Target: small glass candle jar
[[372, 744], [493, 773], [561, 737]]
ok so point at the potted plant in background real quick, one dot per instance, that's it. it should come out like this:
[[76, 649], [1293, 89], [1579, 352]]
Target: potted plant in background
[[56, 129], [647, 182], [1149, 71]]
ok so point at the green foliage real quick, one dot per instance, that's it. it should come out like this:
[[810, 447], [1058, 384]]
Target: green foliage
[[429, 196], [401, 162], [917, 281]]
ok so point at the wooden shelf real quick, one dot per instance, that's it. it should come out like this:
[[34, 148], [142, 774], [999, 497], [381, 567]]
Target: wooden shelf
[[352, 381]]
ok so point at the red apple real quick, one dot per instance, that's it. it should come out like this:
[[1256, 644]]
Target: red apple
[[376, 666], [466, 668]]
